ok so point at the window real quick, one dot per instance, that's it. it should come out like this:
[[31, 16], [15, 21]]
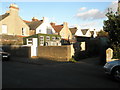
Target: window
[[29, 41], [23, 31], [4, 29], [40, 31], [53, 38], [41, 40], [41, 43], [58, 38], [49, 30], [47, 38]]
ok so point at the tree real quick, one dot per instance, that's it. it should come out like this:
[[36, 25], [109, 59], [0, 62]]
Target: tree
[[112, 26], [102, 33]]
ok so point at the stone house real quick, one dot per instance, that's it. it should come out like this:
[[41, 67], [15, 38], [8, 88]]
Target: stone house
[[62, 30], [40, 26], [12, 24]]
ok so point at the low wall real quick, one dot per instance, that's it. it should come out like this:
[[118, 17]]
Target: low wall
[[18, 51], [59, 53]]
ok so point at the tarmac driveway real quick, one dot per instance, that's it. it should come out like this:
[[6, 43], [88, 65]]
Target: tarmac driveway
[[55, 75]]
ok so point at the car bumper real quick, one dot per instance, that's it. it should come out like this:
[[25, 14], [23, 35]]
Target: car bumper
[[106, 70]]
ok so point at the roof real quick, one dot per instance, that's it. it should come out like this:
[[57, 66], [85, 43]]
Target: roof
[[3, 16], [92, 32], [34, 24], [57, 28], [26, 21], [73, 30], [84, 31]]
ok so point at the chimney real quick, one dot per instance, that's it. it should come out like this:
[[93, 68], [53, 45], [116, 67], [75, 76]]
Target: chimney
[[34, 19], [65, 24], [13, 9], [52, 24]]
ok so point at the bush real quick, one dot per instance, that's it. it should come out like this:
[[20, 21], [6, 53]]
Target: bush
[[72, 60]]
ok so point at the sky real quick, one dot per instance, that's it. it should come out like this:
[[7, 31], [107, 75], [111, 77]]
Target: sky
[[75, 13]]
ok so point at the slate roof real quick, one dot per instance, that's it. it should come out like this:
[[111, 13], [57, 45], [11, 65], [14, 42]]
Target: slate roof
[[34, 24], [84, 31], [57, 28], [3, 16], [73, 30]]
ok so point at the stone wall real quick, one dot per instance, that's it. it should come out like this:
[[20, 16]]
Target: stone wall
[[18, 50], [59, 53]]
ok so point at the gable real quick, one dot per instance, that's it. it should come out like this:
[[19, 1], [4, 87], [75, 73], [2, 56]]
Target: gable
[[34, 24], [84, 31], [73, 30], [58, 28]]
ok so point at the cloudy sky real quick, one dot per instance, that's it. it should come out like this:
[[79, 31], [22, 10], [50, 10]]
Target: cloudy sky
[[83, 14]]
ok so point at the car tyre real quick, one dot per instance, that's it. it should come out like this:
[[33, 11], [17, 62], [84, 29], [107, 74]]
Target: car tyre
[[116, 74]]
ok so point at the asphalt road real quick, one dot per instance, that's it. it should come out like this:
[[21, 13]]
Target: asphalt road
[[59, 75]]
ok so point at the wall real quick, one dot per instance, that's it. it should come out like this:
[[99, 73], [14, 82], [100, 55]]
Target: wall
[[18, 51], [59, 53]]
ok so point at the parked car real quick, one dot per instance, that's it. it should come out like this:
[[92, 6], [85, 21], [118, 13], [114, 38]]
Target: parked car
[[4, 56], [112, 68]]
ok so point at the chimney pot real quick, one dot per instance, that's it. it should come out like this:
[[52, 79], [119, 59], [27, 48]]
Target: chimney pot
[[34, 19]]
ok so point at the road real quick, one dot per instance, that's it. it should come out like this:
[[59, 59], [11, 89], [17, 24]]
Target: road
[[59, 75]]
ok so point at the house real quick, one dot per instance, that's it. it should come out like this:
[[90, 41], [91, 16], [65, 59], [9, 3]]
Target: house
[[40, 26], [12, 24], [43, 40], [64, 31], [85, 32]]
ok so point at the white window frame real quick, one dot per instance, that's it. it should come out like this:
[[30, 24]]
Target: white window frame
[[53, 38], [47, 38], [29, 41], [42, 37], [41, 41]]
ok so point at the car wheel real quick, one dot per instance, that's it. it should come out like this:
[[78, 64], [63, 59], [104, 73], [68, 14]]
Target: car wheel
[[116, 74]]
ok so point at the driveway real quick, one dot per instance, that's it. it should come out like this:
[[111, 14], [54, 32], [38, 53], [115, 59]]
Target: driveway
[[55, 75]]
